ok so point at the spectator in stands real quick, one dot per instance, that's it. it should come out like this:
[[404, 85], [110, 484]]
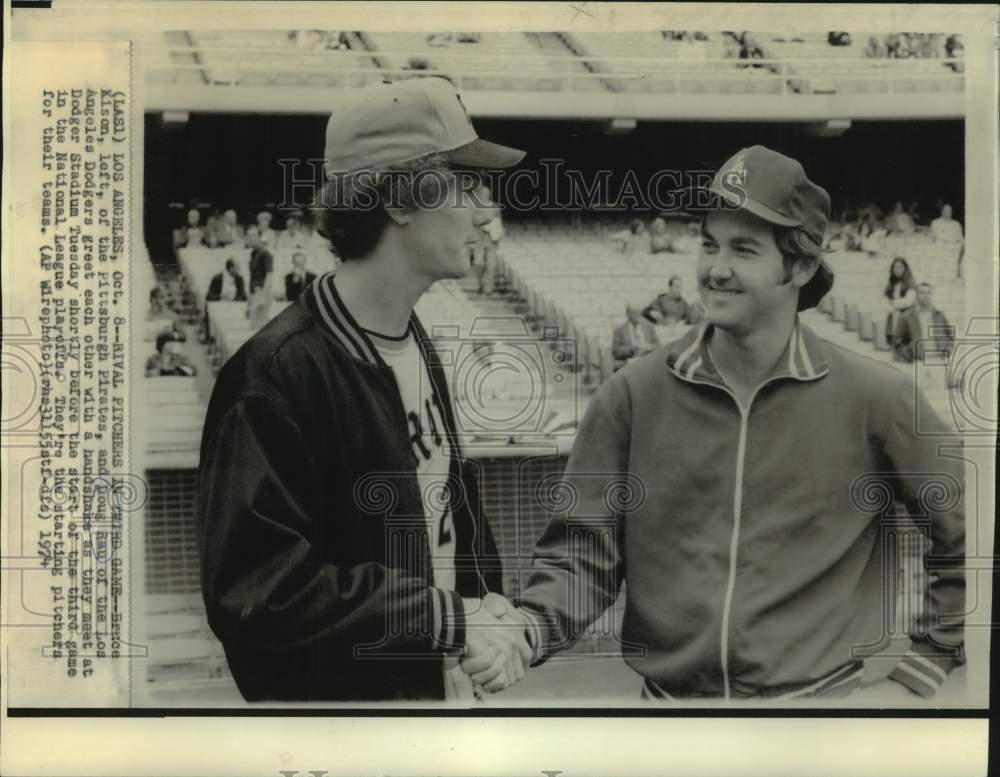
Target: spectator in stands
[[670, 307], [900, 222], [169, 359], [493, 233], [632, 338], [955, 49], [875, 48], [872, 231], [212, 227], [159, 318], [261, 269], [338, 41], [192, 234], [265, 234], [945, 229], [298, 279], [627, 239], [293, 236], [838, 38], [439, 39], [659, 237], [228, 285], [914, 213], [900, 293], [228, 229], [923, 329]]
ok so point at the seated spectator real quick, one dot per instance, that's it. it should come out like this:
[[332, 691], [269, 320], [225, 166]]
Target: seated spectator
[[875, 49], [900, 222], [955, 49], [228, 285], [945, 229], [659, 237], [671, 308], [338, 41], [228, 230], [266, 235], [439, 39], [293, 236], [914, 212], [192, 233], [900, 294], [627, 239], [298, 279], [159, 317], [633, 338], [838, 38], [169, 359], [922, 329]]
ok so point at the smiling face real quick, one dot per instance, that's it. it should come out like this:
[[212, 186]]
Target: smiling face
[[741, 273]]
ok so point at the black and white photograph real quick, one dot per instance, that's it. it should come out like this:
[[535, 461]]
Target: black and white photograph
[[607, 361]]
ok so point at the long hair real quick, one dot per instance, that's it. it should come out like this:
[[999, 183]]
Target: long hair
[[906, 279]]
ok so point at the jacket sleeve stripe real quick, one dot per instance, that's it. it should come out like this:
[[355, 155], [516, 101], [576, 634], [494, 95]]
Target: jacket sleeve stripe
[[913, 679], [535, 633], [449, 620]]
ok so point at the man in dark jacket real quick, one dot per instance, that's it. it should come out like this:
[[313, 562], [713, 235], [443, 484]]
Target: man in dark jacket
[[298, 279], [925, 326], [343, 545], [227, 285]]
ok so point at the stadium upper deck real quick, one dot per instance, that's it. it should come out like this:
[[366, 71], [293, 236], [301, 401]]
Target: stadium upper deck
[[294, 71]]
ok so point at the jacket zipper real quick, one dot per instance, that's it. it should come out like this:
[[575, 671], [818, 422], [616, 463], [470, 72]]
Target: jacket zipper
[[727, 602]]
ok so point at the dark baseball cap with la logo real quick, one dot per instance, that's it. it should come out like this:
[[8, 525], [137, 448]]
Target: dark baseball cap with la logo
[[775, 188], [385, 124]]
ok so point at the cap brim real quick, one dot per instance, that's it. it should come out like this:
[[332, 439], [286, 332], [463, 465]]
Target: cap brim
[[701, 199], [758, 209], [483, 153]]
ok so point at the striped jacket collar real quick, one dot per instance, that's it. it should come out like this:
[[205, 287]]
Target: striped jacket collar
[[689, 357], [325, 304]]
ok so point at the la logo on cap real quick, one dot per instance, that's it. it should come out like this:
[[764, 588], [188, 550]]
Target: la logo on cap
[[736, 174], [738, 168]]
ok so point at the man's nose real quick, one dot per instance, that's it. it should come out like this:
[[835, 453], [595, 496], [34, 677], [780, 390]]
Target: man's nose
[[720, 268]]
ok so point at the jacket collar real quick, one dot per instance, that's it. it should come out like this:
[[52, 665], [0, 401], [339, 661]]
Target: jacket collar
[[689, 358], [323, 301]]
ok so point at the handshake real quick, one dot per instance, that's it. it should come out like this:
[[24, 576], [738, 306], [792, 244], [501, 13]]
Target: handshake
[[496, 646]]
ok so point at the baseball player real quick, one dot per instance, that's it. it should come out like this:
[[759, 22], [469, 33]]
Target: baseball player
[[744, 457], [344, 550]]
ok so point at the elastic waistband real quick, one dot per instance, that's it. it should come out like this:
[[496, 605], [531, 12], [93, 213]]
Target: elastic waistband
[[841, 681]]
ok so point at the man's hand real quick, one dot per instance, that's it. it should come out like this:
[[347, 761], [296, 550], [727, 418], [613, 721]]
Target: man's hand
[[496, 649], [884, 692]]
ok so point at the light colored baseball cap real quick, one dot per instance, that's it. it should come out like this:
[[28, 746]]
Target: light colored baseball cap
[[386, 124]]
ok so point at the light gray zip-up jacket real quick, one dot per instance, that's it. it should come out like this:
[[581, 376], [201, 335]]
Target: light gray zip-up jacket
[[755, 540]]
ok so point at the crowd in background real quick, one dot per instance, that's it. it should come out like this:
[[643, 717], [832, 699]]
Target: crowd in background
[[223, 228], [865, 227], [914, 45]]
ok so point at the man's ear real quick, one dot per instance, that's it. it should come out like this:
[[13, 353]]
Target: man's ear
[[803, 271]]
